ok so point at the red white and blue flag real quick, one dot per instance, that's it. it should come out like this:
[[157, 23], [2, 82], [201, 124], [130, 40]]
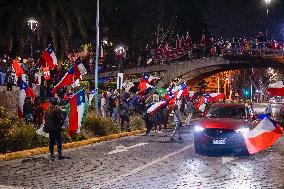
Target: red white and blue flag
[[201, 103], [264, 135], [17, 68], [157, 106], [144, 87], [49, 57], [149, 78], [181, 91], [25, 91], [80, 69], [276, 89], [78, 109], [73, 75], [68, 79], [215, 97]]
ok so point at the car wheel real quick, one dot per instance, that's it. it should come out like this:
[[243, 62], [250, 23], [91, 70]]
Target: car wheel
[[199, 150]]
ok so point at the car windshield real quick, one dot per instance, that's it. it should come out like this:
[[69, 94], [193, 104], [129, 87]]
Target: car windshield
[[227, 112]]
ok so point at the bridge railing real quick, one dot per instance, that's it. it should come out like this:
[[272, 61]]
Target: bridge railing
[[258, 48]]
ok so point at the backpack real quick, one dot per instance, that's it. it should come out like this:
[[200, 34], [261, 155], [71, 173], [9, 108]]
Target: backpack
[[59, 117], [54, 120]]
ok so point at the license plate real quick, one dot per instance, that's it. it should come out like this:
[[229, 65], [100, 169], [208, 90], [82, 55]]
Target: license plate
[[219, 141]]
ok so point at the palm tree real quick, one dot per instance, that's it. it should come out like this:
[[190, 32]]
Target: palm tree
[[60, 23]]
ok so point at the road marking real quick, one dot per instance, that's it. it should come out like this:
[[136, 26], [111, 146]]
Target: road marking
[[10, 187], [142, 167], [121, 148], [227, 159]]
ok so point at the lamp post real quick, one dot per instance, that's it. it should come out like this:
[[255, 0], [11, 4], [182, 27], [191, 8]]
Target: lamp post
[[120, 52], [267, 3], [97, 57], [33, 24]]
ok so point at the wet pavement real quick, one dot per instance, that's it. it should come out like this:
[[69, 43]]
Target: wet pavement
[[146, 162]]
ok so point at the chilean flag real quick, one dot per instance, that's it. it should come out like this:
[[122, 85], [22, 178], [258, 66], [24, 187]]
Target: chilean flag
[[157, 106], [215, 97], [49, 57], [144, 87], [201, 103], [264, 135], [68, 79], [276, 89], [24, 92], [79, 69], [17, 68], [182, 91], [77, 112], [149, 78]]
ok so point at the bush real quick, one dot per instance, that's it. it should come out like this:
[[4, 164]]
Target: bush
[[99, 125], [136, 123], [15, 135]]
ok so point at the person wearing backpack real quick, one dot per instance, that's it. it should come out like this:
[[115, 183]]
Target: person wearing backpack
[[54, 121]]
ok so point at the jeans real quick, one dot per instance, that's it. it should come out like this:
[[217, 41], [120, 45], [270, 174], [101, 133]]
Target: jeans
[[55, 136], [188, 118], [177, 129], [29, 117], [114, 114], [2, 78]]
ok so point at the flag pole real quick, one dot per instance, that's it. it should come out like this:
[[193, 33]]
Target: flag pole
[[97, 57]]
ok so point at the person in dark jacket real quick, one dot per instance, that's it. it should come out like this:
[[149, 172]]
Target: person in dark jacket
[[150, 120], [28, 109], [124, 115], [38, 112], [10, 78], [54, 120]]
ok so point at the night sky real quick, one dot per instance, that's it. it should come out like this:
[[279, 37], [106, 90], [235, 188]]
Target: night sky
[[229, 18]]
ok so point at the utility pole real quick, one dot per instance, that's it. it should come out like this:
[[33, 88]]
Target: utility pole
[[97, 57]]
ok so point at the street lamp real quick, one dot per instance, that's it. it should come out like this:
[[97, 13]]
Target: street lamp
[[267, 2], [120, 52], [33, 24]]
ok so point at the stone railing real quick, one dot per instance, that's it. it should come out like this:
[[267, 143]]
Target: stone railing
[[9, 99]]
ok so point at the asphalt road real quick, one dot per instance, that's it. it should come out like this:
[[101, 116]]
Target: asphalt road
[[259, 108], [146, 162]]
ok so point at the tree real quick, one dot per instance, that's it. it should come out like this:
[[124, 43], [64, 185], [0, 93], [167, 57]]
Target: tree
[[60, 23]]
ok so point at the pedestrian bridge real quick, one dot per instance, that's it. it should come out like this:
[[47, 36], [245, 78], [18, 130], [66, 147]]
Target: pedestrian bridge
[[196, 69]]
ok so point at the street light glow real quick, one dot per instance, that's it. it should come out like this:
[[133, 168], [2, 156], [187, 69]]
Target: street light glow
[[120, 50], [105, 42], [267, 2], [32, 23]]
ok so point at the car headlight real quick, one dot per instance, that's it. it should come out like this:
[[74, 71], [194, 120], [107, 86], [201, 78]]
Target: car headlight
[[242, 130], [199, 129]]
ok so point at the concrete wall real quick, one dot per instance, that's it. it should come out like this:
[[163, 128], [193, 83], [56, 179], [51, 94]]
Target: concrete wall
[[9, 99]]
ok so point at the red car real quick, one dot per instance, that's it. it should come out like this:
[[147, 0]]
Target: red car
[[219, 132]]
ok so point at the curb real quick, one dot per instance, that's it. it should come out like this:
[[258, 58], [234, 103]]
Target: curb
[[44, 150]]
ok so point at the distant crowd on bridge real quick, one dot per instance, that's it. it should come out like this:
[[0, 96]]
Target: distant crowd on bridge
[[184, 48]]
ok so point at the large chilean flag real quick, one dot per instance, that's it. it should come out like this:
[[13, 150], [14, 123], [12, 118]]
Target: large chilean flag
[[276, 89], [264, 135], [78, 109], [49, 57]]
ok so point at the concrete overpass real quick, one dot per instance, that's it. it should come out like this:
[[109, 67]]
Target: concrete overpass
[[197, 69]]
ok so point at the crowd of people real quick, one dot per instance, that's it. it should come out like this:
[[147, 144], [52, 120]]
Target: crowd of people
[[121, 108], [184, 48]]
